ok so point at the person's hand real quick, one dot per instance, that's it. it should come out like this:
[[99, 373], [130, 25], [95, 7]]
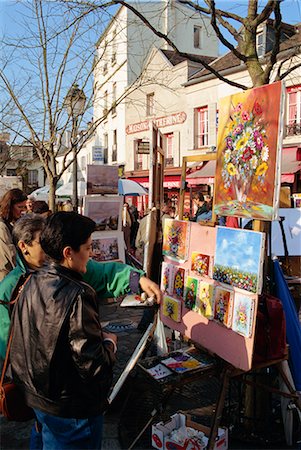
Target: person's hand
[[151, 288]]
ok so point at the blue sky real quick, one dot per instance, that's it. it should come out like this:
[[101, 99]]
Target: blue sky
[[239, 249]]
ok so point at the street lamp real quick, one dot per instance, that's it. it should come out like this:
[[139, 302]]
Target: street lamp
[[75, 105]]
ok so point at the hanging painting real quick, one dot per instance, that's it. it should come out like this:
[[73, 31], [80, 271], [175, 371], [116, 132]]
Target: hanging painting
[[204, 301], [223, 302], [248, 153], [200, 264], [176, 239], [191, 292], [167, 278], [108, 246], [238, 259], [178, 282], [243, 314], [171, 308]]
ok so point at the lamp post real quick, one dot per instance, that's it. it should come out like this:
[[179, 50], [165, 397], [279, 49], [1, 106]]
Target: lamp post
[[75, 104]]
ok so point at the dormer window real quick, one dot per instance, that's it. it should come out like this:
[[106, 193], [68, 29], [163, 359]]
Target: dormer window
[[197, 37], [260, 44]]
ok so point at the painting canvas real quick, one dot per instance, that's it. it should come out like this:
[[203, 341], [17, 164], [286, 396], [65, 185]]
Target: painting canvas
[[200, 264], [248, 153], [176, 239], [171, 307], [102, 179], [204, 303], [167, 277], [105, 211], [223, 302], [179, 282], [108, 247], [191, 292], [238, 258], [243, 314]]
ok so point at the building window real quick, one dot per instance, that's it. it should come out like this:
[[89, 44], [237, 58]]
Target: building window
[[114, 51], [138, 157], [260, 44], [106, 146], [294, 110], [114, 147], [33, 177], [105, 103], [197, 37], [114, 97], [105, 68], [11, 172], [201, 132], [169, 151], [150, 104]]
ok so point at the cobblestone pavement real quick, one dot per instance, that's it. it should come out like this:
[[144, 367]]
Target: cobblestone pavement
[[16, 436]]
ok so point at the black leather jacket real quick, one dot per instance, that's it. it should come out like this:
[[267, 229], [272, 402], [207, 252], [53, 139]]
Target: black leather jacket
[[58, 356]]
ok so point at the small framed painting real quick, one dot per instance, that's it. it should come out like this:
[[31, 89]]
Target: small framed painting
[[243, 314], [102, 179], [108, 246], [223, 302], [105, 211], [200, 264], [167, 276], [176, 235], [171, 307], [191, 292], [204, 302], [178, 282]]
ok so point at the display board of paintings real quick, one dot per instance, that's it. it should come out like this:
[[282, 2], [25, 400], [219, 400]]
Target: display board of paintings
[[248, 172], [210, 306]]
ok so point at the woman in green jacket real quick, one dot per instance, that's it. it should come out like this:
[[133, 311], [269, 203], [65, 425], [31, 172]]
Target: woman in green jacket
[[108, 279]]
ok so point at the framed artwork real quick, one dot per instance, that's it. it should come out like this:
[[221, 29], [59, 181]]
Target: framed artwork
[[105, 211], [238, 259], [178, 282], [200, 264], [108, 246], [191, 292], [171, 307], [248, 153], [167, 278], [102, 179], [204, 303], [223, 303], [243, 314], [176, 239], [297, 200]]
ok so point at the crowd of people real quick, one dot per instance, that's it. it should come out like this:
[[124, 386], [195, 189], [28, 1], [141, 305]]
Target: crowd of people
[[60, 358]]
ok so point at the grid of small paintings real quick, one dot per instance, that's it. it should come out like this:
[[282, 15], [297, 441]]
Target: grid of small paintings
[[195, 286]]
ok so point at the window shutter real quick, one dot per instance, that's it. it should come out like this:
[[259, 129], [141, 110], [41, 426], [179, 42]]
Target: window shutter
[[176, 149], [212, 124]]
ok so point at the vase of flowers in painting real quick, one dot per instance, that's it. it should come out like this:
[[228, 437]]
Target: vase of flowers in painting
[[246, 153]]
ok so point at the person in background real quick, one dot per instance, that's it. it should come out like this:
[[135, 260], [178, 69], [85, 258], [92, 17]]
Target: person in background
[[201, 206], [67, 206], [141, 237], [134, 227], [41, 207], [12, 205], [173, 212], [29, 204], [126, 225], [61, 359], [232, 222]]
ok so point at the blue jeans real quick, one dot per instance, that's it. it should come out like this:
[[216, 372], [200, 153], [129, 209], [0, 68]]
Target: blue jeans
[[68, 433]]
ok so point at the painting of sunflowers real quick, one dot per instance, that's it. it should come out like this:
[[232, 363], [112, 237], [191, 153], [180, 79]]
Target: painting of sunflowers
[[248, 153]]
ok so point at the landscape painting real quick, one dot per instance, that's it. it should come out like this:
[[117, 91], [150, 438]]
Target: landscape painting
[[238, 259], [176, 239], [102, 179], [107, 247], [105, 211], [248, 153]]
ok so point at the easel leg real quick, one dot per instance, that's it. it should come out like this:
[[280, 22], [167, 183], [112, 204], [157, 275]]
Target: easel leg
[[219, 407]]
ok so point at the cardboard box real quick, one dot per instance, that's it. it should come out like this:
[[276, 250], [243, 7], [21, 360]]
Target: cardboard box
[[161, 432]]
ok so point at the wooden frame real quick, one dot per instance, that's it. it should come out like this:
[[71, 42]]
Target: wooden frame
[[194, 158]]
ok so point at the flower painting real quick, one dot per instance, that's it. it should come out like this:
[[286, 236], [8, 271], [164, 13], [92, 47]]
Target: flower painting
[[243, 312], [200, 264], [171, 307], [223, 300], [178, 282], [176, 239], [248, 153], [167, 278], [191, 292], [238, 259], [204, 301]]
